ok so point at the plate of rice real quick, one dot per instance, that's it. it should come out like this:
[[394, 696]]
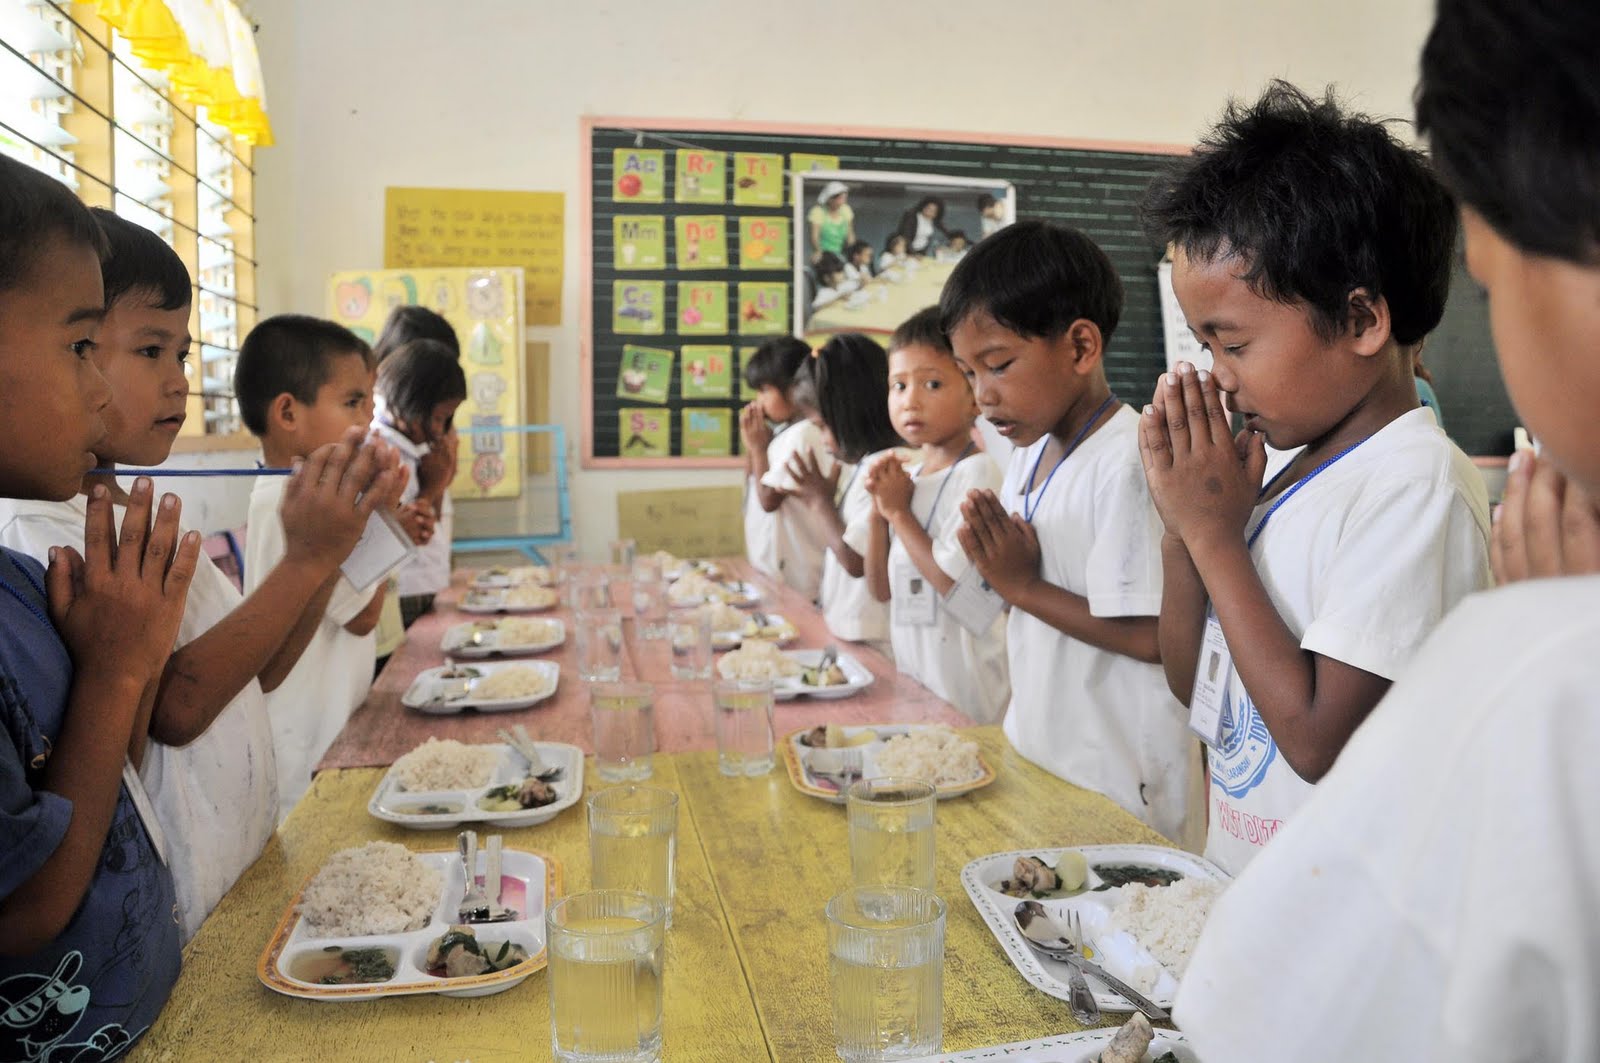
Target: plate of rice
[[522, 598], [941, 755], [795, 673], [361, 926], [1144, 934], [487, 686], [692, 588], [729, 635], [443, 783], [514, 576], [506, 637]]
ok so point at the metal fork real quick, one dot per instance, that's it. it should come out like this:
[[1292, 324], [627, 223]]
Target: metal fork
[[474, 905], [849, 770], [829, 658]]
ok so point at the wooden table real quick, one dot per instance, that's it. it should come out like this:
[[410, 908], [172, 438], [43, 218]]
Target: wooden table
[[382, 729], [746, 956]]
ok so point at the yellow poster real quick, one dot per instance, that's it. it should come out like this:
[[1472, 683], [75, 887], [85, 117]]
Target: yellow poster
[[445, 227], [484, 306], [688, 521]]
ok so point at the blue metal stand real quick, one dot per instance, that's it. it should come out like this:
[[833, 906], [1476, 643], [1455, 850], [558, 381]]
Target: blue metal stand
[[529, 545]]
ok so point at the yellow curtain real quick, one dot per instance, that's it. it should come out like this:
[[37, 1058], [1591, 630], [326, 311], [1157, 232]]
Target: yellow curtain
[[208, 51]]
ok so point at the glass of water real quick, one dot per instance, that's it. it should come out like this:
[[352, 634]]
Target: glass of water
[[649, 598], [589, 587], [633, 832], [886, 972], [689, 632], [598, 636], [742, 709], [891, 832], [622, 552], [606, 949], [624, 730]]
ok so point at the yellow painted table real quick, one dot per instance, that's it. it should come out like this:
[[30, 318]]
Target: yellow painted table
[[746, 957]]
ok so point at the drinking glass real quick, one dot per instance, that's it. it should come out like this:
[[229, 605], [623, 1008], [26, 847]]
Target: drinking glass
[[633, 832], [598, 635], [649, 598], [689, 632], [622, 553], [886, 972], [590, 588], [891, 832], [624, 730], [743, 712], [563, 561], [606, 949]]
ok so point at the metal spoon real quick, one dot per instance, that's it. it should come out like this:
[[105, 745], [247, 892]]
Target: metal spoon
[[1046, 937]]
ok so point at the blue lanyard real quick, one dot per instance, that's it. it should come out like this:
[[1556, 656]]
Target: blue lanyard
[[1289, 492], [927, 525], [1027, 510], [26, 602]]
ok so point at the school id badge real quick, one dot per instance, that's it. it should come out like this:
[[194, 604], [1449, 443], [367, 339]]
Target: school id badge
[[972, 603], [915, 604], [1211, 677]]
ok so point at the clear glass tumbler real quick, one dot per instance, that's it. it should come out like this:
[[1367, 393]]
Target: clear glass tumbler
[[891, 832], [689, 633], [649, 598], [606, 951], [886, 973], [622, 554], [633, 832], [742, 710], [624, 730], [597, 634], [589, 587]]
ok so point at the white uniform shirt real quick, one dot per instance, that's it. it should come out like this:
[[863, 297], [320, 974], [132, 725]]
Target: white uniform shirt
[[967, 671], [1095, 718], [847, 604], [1438, 897], [215, 799], [798, 538], [1362, 563], [333, 675], [429, 571]]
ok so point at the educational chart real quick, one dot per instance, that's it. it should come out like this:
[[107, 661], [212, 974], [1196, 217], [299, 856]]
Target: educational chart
[[460, 227], [687, 521], [484, 306]]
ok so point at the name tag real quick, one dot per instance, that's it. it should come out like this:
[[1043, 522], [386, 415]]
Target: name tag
[[1210, 683], [972, 603], [915, 604], [383, 547]]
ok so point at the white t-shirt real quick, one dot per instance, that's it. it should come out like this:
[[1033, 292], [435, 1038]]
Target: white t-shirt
[[214, 799], [848, 606], [919, 243], [967, 671], [1438, 897], [311, 705], [1098, 719], [429, 571], [1362, 563], [798, 537]]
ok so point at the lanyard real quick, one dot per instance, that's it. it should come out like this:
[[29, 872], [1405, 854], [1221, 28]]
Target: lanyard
[[849, 484], [26, 602], [1289, 492], [1027, 510], [927, 525]]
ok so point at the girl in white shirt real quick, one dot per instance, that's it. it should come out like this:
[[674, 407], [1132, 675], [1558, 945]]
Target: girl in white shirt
[[848, 384], [913, 558]]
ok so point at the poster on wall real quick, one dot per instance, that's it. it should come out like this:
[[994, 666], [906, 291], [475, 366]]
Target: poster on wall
[[645, 374], [801, 162], [923, 223], [764, 243], [758, 180], [763, 308], [707, 433], [645, 432], [639, 175], [639, 241], [703, 308], [707, 372], [702, 242], [484, 306], [700, 176], [638, 308]]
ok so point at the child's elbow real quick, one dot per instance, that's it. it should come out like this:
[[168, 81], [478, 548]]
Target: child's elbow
[[362, 626]]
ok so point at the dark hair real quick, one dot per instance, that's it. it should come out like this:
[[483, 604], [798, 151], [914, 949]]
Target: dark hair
[[1510, 104], [985, 201], [851, 376], [407, 323], [954, 233], [827, 263], [803, 390], [417, 377], [925, 200], [34, 209], [1035, 278], [851, 251], [896, 236], [140, 263], [922, 329], [775, 362], [1317, 202], [290, 353]]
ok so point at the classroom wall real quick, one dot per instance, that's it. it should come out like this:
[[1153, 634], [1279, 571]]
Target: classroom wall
[[488, 94]]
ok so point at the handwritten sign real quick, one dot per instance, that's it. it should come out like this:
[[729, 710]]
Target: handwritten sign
[[702, 242], [442, 227], [757, 180], [702, 308], [688, 521]]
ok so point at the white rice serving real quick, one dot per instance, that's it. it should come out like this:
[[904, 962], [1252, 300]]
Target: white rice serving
[[528, 596], [1166, 920], [446, 765], [757, 660], [524, 631], [517, 681], [377, 888], [724, 617], [937, 755]]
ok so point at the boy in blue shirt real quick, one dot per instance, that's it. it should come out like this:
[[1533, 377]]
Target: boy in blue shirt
[[88, 935]]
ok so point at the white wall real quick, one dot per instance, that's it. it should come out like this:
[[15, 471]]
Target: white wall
[[488, 94]]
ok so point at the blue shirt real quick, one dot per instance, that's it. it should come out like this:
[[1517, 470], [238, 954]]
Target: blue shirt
[[100, 984]]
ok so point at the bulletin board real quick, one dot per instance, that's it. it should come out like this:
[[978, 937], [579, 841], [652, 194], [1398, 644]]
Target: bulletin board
[[686, 226]]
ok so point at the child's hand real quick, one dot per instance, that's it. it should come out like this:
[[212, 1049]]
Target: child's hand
[[753, 428], [1003, 546], [437, 468], [330, 496], [418, 519], [1546, 526], [1204, 481], [890, 486], [118, 604], [811, 486]]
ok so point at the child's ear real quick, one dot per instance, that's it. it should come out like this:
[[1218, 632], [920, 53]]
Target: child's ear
[[283, 413], [1088, 346], [1368, 322]]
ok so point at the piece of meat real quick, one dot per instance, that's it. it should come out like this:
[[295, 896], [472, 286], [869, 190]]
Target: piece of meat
[[817, 737], [1034, 875], [1131, 1041], [460, 962], [533, 793]]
